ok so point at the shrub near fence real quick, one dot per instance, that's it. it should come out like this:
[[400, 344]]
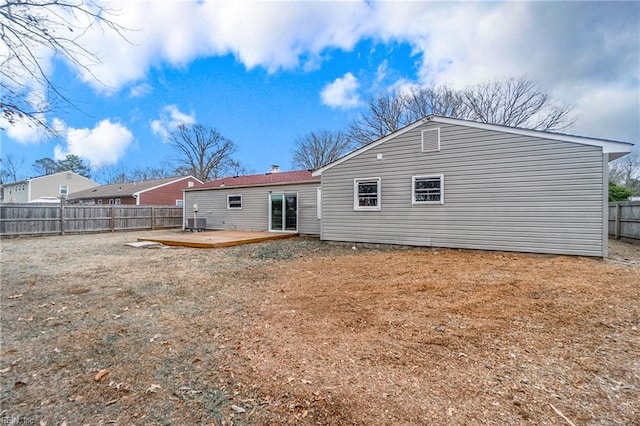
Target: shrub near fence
[[624, 219], [55, 219]]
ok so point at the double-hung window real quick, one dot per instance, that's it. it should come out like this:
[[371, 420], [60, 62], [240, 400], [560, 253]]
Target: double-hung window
[[234, 201], [366, 194], [427, 189]]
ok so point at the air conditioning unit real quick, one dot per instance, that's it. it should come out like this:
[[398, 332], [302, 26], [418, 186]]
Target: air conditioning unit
[[196, 224]]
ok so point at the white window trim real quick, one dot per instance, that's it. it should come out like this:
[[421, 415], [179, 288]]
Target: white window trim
[[60, 190], [355, 194], [413, 189], [234, 208], [437, 130], [319, 202]]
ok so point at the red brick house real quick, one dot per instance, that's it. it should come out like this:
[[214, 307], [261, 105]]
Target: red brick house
[[156, 192]]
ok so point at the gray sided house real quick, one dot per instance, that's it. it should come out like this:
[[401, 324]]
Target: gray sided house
[[445, 182], [45, 188], [275, 201]]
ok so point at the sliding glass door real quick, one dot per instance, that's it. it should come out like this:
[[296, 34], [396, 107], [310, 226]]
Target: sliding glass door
[[283, 212]]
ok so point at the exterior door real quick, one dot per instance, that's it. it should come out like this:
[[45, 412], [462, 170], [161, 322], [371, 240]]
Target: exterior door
[[283, 212]]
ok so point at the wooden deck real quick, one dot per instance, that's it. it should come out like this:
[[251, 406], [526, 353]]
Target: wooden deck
[[214, 239]]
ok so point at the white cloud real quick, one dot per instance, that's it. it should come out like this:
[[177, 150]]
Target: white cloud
[[101, 146], [273, 35], [604, 112], [584, 54], [23, 131], [140, 90], [342, 92], [170, 118], [457, 43]]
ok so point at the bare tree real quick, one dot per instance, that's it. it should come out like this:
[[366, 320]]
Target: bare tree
[[389, 112], [440, 100], [625, 171], [9, 168], [150, 173], [385, 114], [236, 169], [516, 102], [316, 149], [107, 175], [32, 30], [202, 152]]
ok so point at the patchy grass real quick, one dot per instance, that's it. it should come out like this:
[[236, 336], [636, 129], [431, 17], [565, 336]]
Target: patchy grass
[[298, 331]]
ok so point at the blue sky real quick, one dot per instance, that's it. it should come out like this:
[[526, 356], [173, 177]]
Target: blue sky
[[266, 73]]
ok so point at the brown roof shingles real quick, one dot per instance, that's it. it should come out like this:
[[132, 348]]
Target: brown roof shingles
[[297, 176]]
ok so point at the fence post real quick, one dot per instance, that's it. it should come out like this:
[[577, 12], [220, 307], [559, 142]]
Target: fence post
[[153, 217], [618, 223], [61, 216], [113, 218]]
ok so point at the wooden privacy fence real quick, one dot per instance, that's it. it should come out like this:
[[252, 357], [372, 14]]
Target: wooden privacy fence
[[624, 219], [44, 219]]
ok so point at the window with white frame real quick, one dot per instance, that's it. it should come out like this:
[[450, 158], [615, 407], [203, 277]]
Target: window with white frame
[[234, 201], [431, 140], [64, 189], [427, 189], [366, 194], [180, 203]]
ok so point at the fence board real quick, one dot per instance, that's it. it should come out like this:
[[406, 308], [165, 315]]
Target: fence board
[[44, 219], [624, 219]]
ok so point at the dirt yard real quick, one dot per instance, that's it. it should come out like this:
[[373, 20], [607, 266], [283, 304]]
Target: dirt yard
[[300, 332]]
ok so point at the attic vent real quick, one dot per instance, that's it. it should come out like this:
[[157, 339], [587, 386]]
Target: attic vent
[[431, 140]]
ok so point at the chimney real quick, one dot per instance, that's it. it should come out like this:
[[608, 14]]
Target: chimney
[[274, 169]]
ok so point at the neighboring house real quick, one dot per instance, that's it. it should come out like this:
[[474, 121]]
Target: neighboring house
[[45, 188], [438, 182], [446, 182], [273, 201], [166, 191]]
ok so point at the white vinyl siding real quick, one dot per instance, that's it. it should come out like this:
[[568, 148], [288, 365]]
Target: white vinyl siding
[[431, 140], [234, 201], [366, 194], [427, 189]]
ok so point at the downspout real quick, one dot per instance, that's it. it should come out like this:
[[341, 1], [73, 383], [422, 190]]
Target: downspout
[[184, 209], [605, 204], [136, 195], [29, 190]]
